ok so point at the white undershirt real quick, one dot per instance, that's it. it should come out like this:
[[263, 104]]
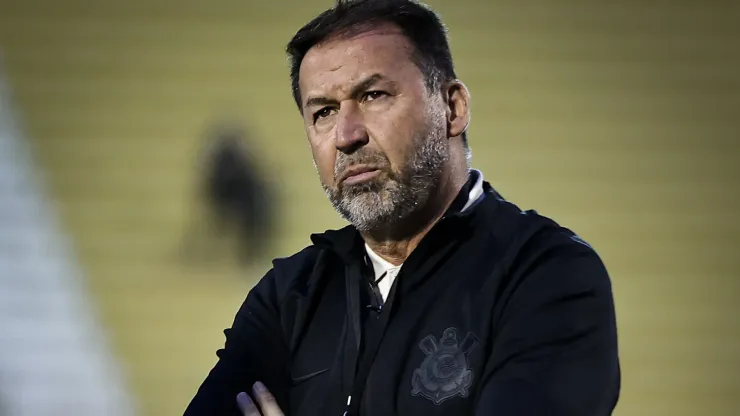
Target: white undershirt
[[381, 266]]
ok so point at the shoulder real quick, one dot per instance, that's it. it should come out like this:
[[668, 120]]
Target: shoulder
[[297, 274], [294, 272], [525, 233], [546, 276], [529, 244], [296, 264]]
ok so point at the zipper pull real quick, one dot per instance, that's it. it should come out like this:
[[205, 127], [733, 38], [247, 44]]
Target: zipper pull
[[349, 400]]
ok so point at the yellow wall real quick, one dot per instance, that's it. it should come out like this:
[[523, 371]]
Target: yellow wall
[[618, 119]]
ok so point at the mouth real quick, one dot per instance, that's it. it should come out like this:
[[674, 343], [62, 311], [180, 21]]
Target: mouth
[[358, 174]]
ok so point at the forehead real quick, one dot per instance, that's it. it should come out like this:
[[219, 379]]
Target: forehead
[[341, 60]]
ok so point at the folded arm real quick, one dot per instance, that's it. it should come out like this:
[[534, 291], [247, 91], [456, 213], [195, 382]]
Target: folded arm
[[255, 350]]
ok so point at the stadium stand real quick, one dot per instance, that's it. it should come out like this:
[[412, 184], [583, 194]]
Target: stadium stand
[[54, 355]]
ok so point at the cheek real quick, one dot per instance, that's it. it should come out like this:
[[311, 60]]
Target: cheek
[[396, 138], [324, 158]]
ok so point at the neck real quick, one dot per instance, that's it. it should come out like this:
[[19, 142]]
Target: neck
[[396, 242]]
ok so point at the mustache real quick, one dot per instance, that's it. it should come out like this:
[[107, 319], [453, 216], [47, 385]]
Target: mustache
[[375, 159]]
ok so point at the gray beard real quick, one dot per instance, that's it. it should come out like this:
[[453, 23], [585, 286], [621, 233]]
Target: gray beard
[[394, 196]]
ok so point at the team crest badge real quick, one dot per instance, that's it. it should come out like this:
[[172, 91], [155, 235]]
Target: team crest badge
[[444, 373]]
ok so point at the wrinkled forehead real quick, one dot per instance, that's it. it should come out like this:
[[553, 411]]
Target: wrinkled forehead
[[344, 58]]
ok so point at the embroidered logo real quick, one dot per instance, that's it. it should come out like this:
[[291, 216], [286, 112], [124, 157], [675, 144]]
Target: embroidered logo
[[444, 373]]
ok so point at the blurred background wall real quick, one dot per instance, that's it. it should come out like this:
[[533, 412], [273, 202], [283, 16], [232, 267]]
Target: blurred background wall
[[618, 119]]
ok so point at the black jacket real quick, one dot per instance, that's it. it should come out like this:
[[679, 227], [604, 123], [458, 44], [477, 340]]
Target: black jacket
[[497, 312]]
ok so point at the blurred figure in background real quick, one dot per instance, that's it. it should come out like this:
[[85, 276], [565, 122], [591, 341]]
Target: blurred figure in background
[[237, 201]]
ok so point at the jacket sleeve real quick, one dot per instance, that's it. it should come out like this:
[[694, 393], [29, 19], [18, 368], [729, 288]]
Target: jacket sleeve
[[255, 350], [555, 350]]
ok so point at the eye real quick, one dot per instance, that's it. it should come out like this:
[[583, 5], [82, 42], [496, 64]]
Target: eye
[[373, 95], [324, 112]]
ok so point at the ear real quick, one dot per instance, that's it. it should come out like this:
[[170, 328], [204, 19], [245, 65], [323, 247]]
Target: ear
[[457, 98]]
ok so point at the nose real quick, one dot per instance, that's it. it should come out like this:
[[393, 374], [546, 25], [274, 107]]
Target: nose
[[351, 133]]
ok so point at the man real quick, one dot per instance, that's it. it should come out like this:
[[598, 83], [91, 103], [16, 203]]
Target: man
[[441, 298], [237, 200], [236, 193]]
